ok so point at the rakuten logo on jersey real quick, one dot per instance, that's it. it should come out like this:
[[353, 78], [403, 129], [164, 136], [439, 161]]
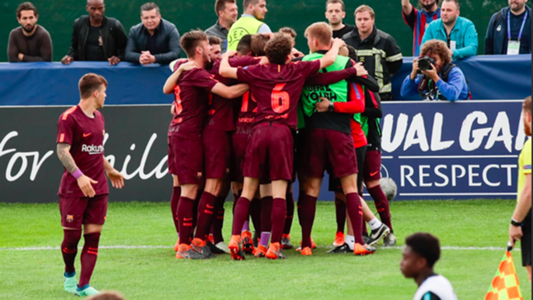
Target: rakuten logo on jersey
[[92, 149]]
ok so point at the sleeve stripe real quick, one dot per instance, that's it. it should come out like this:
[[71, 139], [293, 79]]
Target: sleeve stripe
[[62, 138], [68, 112], [394, 57]]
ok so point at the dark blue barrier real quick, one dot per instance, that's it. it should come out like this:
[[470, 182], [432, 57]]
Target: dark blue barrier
[[490, 77]]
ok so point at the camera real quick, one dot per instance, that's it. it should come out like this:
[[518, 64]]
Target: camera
[[425, 62]]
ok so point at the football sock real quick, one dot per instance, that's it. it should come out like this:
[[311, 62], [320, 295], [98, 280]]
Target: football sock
[[69, 248], [185, 216], [279, 212], [306, 214], [355, 211], [265, 237], [218, 221], [290, 212], [235, 199], [88, 257], [255, 214], [382, 205], [340, 214], [374, 223], [176, 192], [266, 214], [350, 241], [206, 211], [195, 210], [240, 216]]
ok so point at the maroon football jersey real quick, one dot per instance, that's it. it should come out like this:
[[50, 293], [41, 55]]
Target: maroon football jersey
[[190, 98], [220, 114], [277, 89], [85, 136]]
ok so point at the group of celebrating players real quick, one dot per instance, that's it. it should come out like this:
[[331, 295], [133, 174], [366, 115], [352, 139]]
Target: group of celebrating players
[[251, 120]]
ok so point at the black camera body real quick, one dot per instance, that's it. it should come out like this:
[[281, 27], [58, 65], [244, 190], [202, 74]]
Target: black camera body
[[425, 62]]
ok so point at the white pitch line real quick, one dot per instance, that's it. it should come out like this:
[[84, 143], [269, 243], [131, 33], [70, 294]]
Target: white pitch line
[[171, 246]]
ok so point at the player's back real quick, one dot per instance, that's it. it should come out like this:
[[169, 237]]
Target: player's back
[[191, 95], [277, 89]]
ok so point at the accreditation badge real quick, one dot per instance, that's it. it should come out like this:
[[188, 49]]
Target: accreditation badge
[[513, 47]]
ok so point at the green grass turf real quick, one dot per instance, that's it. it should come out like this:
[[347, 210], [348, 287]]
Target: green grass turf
[[156, 274]]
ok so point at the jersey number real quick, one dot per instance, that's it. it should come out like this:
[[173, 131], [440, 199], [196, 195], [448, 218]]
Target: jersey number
[[280, 99], [177, 100], [246, 100]]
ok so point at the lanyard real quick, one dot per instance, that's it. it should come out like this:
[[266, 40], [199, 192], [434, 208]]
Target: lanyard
[[509, 25]]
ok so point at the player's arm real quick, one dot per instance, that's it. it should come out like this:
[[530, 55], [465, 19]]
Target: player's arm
[[226, 70], [170, 84], [230, 92], [117, 179], [407, 8], [329, 58], [84, 182], [522, 208]]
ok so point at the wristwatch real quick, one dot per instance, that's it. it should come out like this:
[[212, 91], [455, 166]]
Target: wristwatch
[[516, 223], [331, 107]]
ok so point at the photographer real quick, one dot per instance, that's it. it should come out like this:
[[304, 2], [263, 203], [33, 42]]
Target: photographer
[[433, 75]]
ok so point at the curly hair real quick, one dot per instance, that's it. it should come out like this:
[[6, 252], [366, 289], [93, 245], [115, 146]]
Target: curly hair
[[439, 48], [278, 48]]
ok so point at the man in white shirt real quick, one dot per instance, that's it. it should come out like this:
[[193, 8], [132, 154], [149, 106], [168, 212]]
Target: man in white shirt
[[421, 252]]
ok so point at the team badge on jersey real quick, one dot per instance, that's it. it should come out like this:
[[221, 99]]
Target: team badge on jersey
[[70, 218]]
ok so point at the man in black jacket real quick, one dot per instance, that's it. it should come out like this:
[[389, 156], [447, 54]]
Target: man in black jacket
[[155, 40], [376, 49], [96, 37]]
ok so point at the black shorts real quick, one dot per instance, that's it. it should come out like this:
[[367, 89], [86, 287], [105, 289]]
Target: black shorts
[[525, 242], [335, 183]]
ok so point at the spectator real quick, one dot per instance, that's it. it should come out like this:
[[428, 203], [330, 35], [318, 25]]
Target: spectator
[[335, 14], [29, 42], [155, 40], [421, 252], [418, 19], [227, 12], [442, 81], [509, 30], [376, 49], [251, 22], [96, 37], [459, 33], [215, 49]]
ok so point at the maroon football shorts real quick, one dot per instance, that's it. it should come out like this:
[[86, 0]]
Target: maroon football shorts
[[217, 153], [185, 159], [76, 211], [239, 144], [372, 169], [327, 149], [335, 183], [270, 152]]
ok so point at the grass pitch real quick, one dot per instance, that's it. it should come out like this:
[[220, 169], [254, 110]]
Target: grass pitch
[[137, 257]]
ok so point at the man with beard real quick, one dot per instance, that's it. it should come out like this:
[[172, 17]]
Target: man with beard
[[459, 33], [29, 42], [227, 12], [96, 37], [251, 22], [335, 14], [419, 19], [509, 30]]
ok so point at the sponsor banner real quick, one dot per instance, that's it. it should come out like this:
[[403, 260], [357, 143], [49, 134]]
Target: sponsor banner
[[432, 150], [464, 150]]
